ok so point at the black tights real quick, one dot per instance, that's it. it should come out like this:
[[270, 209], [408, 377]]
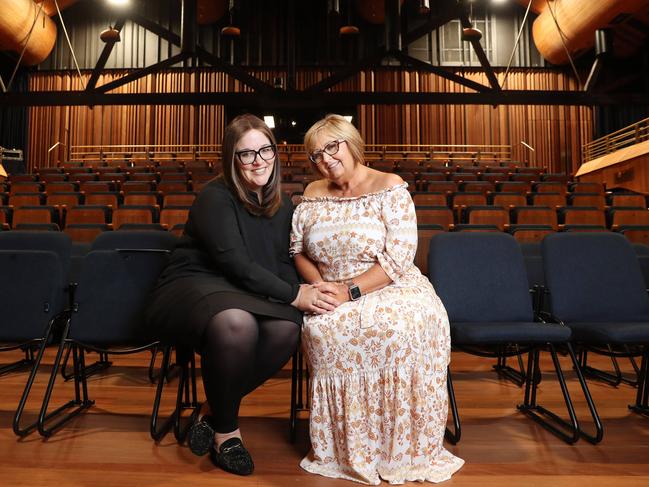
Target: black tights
[[240, 352]]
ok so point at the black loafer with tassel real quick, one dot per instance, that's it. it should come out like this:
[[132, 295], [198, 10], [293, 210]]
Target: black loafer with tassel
[[232, 457]]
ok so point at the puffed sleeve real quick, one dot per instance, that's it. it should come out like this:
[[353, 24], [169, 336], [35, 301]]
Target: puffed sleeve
[[217, 228], [297, 231], [398, 213]]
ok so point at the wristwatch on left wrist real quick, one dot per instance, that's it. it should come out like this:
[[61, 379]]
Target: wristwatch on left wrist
[[354, 291]]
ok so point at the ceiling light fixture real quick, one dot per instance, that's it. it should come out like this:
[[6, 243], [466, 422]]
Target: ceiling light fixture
[[471, 33], [110, 35], [231, 30]]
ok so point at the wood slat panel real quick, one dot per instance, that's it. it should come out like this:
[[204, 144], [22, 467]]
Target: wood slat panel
[[556, 132]]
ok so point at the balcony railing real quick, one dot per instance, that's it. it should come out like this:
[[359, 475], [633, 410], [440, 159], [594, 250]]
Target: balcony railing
[[633, 134]]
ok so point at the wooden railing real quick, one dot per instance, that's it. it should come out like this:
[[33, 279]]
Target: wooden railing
[[452, 154], [633, 134], [144, 153]]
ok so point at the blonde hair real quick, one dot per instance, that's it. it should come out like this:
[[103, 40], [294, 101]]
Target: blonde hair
[[338, 128], [271, 193]]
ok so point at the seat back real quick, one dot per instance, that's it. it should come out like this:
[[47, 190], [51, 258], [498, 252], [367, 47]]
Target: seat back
[[111, 296], [594, 277], [30, 292], [26, 271], [480, 277], [135, 240], [424, 234], [434, 215], [56, 242]]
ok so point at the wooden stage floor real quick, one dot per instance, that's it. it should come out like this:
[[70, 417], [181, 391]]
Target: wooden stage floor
[[109, 445]]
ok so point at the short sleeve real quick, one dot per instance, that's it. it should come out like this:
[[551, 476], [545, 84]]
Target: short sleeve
[[398, 213], [297, 231]]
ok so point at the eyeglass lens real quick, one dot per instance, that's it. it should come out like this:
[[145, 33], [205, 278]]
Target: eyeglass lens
[[331, 149], [248, 156]]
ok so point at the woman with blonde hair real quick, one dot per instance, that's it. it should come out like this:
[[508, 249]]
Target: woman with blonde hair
[[379, 360]]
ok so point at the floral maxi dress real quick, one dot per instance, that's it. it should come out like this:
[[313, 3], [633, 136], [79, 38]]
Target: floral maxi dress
[[378, 365]]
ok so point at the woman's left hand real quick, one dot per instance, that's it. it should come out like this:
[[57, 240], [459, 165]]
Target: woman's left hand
[[338, 290]]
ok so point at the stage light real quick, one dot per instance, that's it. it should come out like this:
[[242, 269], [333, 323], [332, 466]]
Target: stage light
[[270, 121]]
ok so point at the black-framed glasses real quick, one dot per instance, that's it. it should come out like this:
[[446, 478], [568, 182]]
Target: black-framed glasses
[[248, 156], [330, 148]]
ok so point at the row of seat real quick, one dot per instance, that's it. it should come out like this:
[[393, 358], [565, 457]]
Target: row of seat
[[423, 164], [109, 176], [91, 186], [554, 217], [422, 179], [300, 159], [597, 302], [527, 222], [84, 222], [596, 292], [101, 312], [113, 198], [390, 166], [507, 199], [136, 193], [525, 234], [430, 181], [126, 165], [521, 187]]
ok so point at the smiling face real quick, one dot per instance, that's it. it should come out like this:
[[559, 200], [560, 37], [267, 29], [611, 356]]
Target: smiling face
[[254, 175], [338, 166], [341, 163]]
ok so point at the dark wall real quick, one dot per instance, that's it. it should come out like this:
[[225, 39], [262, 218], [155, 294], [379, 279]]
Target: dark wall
[[608, 119], [275, 33], [13, 120]]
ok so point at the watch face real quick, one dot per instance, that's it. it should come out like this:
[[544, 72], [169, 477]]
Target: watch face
[[354, 292]]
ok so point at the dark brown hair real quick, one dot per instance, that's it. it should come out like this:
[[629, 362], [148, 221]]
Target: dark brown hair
[[271, 193]]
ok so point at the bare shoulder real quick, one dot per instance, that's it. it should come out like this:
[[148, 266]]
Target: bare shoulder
[[385, 180], [392, 179], [316, 189]]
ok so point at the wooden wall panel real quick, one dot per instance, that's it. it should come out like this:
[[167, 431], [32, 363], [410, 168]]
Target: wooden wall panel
[[555, 132]]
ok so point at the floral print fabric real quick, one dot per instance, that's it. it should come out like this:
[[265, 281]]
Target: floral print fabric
[[378, 365]]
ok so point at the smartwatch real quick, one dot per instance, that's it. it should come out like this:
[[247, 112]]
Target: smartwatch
[[354, 291]]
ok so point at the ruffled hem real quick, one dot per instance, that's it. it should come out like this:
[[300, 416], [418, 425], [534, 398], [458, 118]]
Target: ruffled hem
[[395, 477], [365, 419], [351, 198]]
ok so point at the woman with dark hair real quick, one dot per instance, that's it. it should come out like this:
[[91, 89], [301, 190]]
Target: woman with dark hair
[[378, 362], [230, 290]]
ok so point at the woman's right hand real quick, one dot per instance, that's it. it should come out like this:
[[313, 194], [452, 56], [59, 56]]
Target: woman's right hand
[[315, 299]]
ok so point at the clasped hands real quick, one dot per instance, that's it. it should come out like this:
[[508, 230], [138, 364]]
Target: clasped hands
[[321, 297]]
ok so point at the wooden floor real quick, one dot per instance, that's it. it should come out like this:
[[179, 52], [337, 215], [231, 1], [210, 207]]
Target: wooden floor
[[109, 445]]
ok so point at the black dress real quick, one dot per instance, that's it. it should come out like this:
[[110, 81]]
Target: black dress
[[228, 258]]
